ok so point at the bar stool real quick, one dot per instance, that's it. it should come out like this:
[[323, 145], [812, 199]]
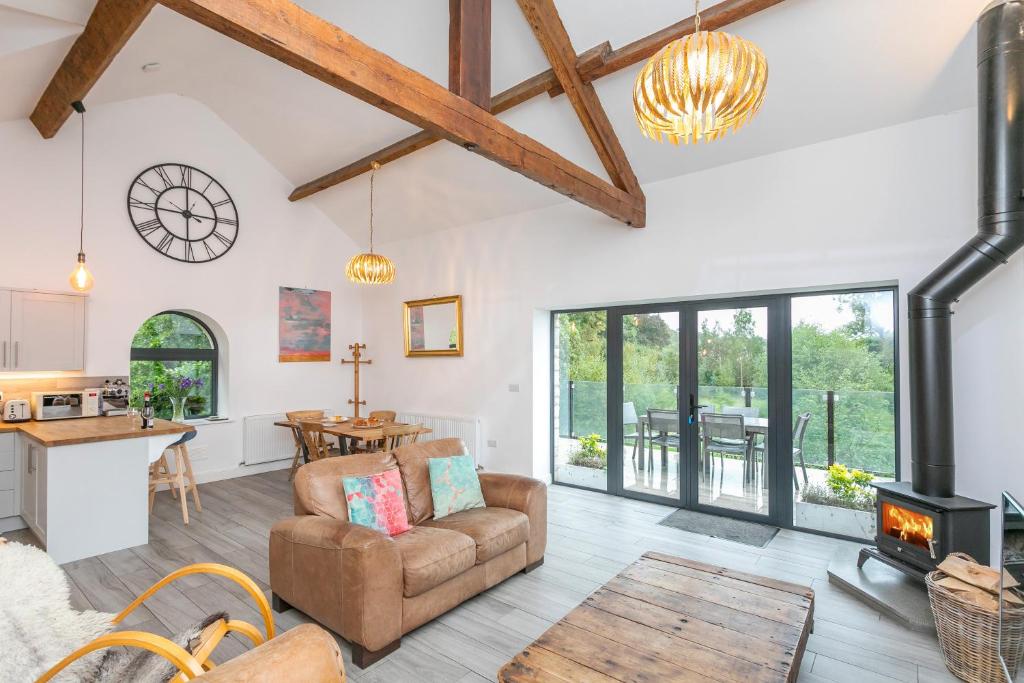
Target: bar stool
[[160, 473]]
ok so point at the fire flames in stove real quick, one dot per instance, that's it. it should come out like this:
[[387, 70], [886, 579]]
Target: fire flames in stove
[[908, 526]]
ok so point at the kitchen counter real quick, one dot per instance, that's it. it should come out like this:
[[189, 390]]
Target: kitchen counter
[[84, 482], [52, 433]]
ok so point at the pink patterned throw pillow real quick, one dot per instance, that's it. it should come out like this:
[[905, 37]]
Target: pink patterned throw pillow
[[376, 501]]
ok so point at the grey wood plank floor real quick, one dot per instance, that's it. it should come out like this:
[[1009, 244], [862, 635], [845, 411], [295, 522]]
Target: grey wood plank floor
[[591, 537]]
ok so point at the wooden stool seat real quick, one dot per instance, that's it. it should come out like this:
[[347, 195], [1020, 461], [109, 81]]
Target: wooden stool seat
[[181, 478]]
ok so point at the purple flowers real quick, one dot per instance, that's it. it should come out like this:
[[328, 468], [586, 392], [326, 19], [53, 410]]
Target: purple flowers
[[181, 385]]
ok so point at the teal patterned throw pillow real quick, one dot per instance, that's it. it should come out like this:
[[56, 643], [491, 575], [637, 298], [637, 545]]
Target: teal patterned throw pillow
[[454, 485]]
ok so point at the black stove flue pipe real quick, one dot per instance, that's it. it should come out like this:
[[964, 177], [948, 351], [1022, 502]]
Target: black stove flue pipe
[[1000, 234]]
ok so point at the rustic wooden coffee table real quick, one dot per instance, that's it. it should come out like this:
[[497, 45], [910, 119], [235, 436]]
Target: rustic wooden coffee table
[[666, 618]]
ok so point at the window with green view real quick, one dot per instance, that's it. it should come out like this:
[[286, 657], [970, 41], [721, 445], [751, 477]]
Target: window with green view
[[173, 347]]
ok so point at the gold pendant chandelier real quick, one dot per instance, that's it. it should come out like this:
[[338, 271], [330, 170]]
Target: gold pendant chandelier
[[699, 87], [369, 268]]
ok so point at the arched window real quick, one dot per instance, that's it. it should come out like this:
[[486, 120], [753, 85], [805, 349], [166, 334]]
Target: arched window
[[170, 347]]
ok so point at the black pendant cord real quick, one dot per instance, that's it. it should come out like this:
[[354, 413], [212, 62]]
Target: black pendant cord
[[80, 108]]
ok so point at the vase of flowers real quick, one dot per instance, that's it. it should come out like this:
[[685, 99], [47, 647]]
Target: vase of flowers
[[179, 387]]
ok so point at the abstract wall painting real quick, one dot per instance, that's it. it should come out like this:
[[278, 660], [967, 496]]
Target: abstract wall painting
[[304, 325]]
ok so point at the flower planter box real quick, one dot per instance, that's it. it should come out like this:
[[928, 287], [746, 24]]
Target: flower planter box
[[856, 523], [582, 476]]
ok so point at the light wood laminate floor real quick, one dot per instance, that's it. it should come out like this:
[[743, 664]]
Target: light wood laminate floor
[[591, 537]]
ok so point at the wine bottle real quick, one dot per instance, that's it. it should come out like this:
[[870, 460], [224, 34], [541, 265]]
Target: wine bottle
[[147, 411]]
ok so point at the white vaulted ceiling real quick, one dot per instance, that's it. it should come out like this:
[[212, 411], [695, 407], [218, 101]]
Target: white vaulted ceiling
[[836, 67]]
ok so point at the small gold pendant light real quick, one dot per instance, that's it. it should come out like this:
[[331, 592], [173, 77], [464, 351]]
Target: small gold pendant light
[[700, 86], [369, 268], [81, 279]]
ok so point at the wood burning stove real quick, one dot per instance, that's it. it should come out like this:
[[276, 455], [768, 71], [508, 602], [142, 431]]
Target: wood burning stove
[[916, 532]]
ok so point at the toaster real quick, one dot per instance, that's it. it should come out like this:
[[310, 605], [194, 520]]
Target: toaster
[[16, 410]]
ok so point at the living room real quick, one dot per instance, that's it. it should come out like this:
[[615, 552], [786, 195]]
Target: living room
[[425, 222]]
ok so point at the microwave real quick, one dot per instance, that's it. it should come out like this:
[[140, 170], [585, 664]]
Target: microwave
[[61, 405]]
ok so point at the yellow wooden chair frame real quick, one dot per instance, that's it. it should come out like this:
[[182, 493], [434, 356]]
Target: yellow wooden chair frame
[[189, 665]]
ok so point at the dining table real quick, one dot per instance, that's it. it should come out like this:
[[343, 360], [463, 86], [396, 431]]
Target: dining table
[[345, 430], [752, 426]]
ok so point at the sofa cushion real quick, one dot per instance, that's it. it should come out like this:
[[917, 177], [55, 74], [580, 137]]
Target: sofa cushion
[[412, 461], [493, 530], [454, 485], [432, 556], [376, 501], [317, 485]]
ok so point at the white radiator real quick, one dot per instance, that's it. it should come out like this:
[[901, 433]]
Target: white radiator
[[264, 442], [447, 426]]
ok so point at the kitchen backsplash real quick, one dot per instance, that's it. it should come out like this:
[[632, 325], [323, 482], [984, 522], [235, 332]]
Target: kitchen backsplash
[[22, 388]]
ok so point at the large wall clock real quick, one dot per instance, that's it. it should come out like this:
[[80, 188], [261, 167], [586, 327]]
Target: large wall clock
[[183, 213]]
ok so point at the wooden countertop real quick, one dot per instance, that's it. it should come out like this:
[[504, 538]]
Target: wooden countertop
[[91, 430]]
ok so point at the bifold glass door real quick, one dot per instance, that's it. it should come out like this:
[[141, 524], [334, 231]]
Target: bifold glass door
[[651, 447], [580, 399], [779, 408], [689, 410], [732, 418]]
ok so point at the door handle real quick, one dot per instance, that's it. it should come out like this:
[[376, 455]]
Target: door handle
[[694, 410]]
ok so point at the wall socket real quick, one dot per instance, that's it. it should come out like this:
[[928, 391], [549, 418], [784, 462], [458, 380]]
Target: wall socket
[[514, 388], [492, 443]]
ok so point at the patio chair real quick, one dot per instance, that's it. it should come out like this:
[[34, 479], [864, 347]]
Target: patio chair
[[664, 423], [748, 412], [629, 417], [799, 431], [726, 435], [798, 446]]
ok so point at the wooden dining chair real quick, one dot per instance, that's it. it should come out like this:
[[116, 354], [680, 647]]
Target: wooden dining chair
[[384, 415], [297, 416], [315, 440], [180, 481], [400, 435]]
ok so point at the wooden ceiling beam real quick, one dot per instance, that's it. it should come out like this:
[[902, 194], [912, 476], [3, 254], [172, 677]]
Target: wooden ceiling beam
[[110, 25], [711, 19], [284, 31], [596, 62], [469, 50], [554, 40], [532, 87]]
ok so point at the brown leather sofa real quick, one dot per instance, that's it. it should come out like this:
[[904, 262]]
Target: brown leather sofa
[[371, 588]]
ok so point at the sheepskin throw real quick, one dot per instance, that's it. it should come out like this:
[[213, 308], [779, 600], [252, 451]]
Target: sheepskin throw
[[38, 625]]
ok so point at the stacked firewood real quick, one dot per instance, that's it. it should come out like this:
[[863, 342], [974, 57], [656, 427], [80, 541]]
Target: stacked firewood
[[978, 583]]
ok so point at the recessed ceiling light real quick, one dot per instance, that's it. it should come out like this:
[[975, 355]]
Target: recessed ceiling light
[[151, 67]]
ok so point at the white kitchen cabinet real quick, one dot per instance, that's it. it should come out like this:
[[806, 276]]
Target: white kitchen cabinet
[[6, 360], [45, 332], [8, 477], [33, 487]]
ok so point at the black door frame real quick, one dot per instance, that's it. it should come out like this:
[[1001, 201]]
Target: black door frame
[[778, 408], [780, 385]]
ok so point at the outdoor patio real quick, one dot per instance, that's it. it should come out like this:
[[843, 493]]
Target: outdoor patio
[[725, 488]]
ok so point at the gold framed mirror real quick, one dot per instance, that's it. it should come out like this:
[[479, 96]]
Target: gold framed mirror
[[433, 327]]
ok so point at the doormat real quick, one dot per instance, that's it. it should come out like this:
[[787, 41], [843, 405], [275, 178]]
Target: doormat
[[728, 528]]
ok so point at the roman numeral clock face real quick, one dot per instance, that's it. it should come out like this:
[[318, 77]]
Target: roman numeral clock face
[[183, 213]]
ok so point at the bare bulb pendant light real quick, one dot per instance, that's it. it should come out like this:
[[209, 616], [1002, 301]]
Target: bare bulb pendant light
[[81, 279], [700, 87], [369, 268]]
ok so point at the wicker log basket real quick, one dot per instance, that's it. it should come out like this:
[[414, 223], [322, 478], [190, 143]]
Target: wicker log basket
[[969, 633]]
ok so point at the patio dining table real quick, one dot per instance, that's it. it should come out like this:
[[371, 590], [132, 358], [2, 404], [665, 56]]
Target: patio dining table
[[752, 425]]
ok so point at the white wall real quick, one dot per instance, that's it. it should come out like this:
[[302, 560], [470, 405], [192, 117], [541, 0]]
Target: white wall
[[887, 205], [279, 243]]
